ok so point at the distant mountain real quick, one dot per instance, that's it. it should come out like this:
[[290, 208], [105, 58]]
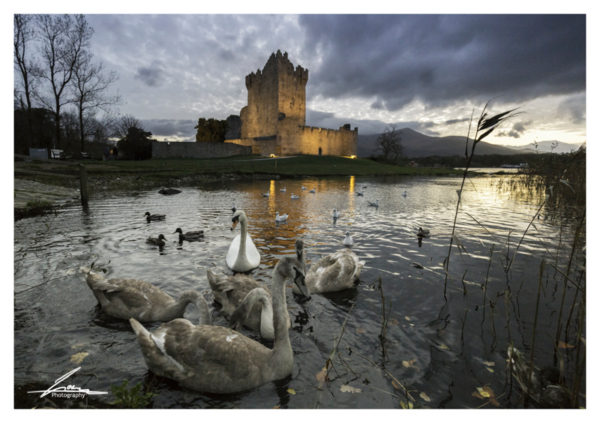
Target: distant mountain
[[549, 147], [416, 144]]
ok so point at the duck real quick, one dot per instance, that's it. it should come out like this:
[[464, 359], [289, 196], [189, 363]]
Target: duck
[[404, 194], [279, 218], [334, 272], [242, 255], [247, 302], [303, 188], [189, 236], [348, 241], [374, 204], [127, 298], [265, 194], [336, 214], [154, 217], [220, 360], [284, 189], [312, 191], [359, 194], [423, 233], [160, 241], [294, 196], [169, 191]]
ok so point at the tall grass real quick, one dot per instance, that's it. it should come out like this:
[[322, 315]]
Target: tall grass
[[485, 126]]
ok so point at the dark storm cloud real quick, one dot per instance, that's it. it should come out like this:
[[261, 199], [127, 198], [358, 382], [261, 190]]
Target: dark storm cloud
[[159, 128], [516, 131], [152, 75], [574, 108], [454, 121], [441, 59]]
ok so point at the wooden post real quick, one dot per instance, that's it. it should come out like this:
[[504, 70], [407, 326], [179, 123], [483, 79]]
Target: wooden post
[[83, 185]]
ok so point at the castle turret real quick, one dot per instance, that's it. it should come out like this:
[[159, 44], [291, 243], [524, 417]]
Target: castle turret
[[279, 90]]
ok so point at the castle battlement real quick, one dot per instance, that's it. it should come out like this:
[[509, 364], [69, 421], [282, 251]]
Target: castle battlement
[[274, 120], [277, 64], [318, 129]]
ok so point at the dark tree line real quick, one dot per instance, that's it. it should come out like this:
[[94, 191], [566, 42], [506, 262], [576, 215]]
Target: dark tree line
[[210, 130], [58, 83]]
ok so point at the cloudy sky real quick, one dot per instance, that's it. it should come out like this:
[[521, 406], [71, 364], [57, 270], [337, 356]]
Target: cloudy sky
[[426, 72]]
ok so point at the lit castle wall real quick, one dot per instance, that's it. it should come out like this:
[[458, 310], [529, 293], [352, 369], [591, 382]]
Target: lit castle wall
[[274, 121]]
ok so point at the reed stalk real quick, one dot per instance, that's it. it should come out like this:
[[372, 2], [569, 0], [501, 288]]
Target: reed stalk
[[509, 335], [579, 365], [534, 330], [487, 275], [485, 126], [564, 292], [383, 321], [573, 304]]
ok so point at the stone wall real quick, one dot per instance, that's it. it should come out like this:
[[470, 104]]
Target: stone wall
[[197, 150], [264, 147], [308, 140]]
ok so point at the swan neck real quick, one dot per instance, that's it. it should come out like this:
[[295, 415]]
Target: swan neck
[[282, 338], [243, 236]]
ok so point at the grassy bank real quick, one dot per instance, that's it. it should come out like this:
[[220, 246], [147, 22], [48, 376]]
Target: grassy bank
[[169, 171]]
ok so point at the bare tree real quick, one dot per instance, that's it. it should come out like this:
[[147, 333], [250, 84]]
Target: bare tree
[[24, 33], [90, 83], [389, 144], [64, 39], [123, 124]]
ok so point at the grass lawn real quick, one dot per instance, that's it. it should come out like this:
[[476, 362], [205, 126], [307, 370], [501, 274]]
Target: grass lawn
[[285, 167]]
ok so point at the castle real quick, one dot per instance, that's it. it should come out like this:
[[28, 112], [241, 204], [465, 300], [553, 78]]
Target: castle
[[274, 121]]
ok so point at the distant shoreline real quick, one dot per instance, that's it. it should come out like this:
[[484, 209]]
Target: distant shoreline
[[42, 185]]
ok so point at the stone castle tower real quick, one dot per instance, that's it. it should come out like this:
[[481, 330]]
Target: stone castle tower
[[279, 91], [274, 121]]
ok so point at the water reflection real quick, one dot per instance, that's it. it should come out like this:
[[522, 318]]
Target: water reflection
[[53, 306]]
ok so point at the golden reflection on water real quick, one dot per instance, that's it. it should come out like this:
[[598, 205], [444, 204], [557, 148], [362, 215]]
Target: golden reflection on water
[[308, 216]]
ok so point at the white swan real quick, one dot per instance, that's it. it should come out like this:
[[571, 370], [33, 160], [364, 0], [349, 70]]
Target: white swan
[[242, 255], [279, 218], [348, 241], [284, 189], [334, 272], [336, 214], [220, 360], [126, 298], [303, 187]]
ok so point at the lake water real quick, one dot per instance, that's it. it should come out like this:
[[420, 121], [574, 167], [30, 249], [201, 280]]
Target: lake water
[[440, 350]]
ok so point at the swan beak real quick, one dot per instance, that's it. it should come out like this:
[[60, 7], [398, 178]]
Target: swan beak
[[234, 224], [299, 282]]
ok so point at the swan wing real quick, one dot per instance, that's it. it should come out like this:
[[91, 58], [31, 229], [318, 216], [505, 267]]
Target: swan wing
[[205, 358], [334, 272], [229, 291], [249, 313], [252, 252], [233, 251]]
